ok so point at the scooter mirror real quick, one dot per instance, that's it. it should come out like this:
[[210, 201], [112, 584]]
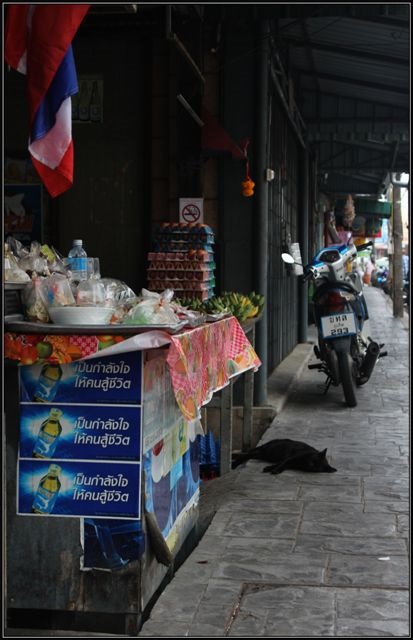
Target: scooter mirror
[[287, 258]]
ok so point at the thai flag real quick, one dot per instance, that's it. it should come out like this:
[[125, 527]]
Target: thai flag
[[38, 41]]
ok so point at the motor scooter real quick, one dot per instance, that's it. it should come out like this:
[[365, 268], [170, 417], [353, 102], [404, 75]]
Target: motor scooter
[[346, 356], [406, 290]]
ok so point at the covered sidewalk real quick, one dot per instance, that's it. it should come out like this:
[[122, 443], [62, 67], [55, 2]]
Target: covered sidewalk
[[302, 554]]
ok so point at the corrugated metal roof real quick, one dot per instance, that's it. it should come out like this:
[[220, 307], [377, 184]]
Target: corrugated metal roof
[[351, 74]]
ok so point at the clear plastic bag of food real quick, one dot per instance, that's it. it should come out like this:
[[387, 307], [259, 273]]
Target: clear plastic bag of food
[[56, 291], [34, 261], [117, 293], [12, 272], [90, 293], [55, 261], [34, 308], [17, 248], [152, 309]]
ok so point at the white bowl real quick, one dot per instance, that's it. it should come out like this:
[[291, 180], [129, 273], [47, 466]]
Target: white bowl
[[80, 315]]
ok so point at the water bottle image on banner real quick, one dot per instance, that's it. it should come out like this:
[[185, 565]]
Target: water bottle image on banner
[[48, 435], [107, 380], [47, 383], [47, 491], [83, 488]]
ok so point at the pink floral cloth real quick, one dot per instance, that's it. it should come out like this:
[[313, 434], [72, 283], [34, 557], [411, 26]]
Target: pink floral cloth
[[202, 360]]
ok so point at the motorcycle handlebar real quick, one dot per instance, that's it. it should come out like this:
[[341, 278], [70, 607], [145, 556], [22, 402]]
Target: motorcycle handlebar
[[307, 274], [361, 247]]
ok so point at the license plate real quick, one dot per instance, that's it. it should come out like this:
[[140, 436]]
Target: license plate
[[338, 325]]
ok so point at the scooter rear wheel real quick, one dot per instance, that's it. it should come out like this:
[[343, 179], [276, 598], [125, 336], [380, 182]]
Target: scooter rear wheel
[[345, 367]]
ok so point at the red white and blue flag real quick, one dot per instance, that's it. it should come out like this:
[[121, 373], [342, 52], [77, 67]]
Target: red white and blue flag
[[38, 41]]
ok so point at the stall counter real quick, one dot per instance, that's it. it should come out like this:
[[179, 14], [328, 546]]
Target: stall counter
[[180, 373]]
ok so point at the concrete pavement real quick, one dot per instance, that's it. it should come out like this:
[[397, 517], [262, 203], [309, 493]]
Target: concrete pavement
[[303, 554]]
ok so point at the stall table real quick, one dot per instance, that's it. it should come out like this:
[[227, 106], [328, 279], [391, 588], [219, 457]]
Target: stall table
[[81, 571]]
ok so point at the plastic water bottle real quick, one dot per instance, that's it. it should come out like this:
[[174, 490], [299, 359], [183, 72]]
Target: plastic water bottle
[[78, 261]]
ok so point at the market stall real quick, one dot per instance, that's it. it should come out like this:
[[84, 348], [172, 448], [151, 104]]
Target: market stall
[[102, 430]]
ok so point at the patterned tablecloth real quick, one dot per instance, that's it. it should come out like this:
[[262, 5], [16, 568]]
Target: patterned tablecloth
[[201, 360]]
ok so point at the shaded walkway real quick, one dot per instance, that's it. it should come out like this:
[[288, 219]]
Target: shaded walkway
[[306, 554]]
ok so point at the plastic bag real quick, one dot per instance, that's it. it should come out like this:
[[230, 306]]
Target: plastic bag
[[153, 309], [12, 272], [90, 293], [33, 261], [55, 291], [34, 307], [117, 293], [54, 260]]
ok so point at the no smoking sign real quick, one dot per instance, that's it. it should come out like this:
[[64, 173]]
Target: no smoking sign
[[191, 210]]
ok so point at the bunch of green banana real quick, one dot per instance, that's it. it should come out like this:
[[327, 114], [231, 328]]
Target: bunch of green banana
[[240, 305], [258, 300], [215, 305], [191, 303]]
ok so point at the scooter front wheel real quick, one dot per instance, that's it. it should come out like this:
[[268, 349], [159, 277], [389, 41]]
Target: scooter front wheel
[[345, 368]]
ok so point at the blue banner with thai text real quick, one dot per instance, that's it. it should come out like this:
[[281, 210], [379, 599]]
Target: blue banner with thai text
[[110, 380], [79, 488], [80, 432]]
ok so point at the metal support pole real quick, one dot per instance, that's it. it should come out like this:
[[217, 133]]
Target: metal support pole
[[261, 205], [225, 435], [397, 293], [303, 237]]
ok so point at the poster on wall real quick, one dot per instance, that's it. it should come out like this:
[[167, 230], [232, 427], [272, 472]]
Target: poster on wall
[[23, 212], [87, 104], [367, 226], [78, 488], [80, 432], [80, 452], [170, 454]]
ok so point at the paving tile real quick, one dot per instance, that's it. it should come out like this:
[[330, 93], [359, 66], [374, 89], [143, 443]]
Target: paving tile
[[248, 505], [328, 479], [288, 598], [379, 506], [262, 525], [364, 571], [403, 525], [295, 611], [221, 592], [210, 621], [164, 629], [350, 545], [193, 573], [385, 489], [348, 524], [262, 545], [329, 493], [372, 628], [270, 490], [294, 568], [372, 604], [181, 597], [313, 510], [248, 624]]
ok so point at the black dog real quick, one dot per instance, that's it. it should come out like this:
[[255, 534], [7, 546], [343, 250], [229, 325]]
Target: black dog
[[287, 454]]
